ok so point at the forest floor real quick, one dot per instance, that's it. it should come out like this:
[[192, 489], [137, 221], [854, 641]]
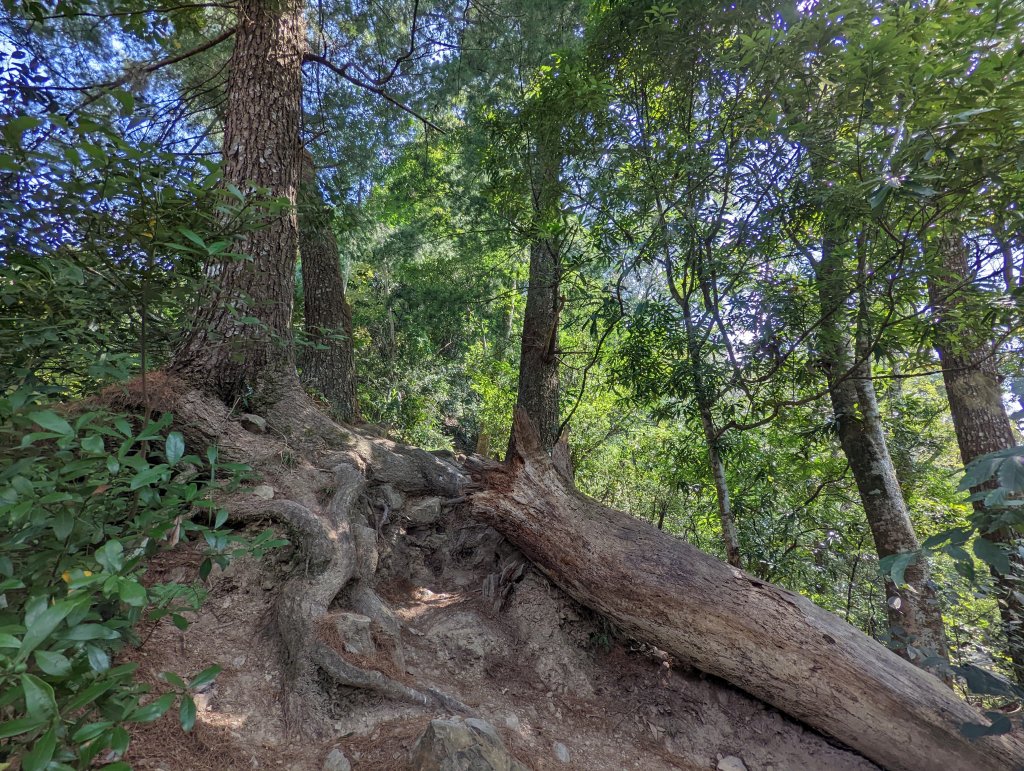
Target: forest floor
[[478, 622]]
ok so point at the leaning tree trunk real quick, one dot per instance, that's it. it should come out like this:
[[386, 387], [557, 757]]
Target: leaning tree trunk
[[538, 391], [773, 644], [915, 618], [240, 343], [327, 362], [976, 404]]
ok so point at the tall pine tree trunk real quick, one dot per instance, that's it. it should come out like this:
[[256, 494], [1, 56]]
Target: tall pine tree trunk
[[538, 392], [915, 619], [240, 343], [327, 363], [976, 405]]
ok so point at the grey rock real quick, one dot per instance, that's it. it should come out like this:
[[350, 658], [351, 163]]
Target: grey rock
[[483, 727], [465, 636], [355, 631], [336, 761], [389, 495], [263, 492], [425, 511], [561, 752], [731, 763], [462, 745], [253, 423]]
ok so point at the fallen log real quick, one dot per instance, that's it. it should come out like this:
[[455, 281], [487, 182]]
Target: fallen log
[[769, 642]]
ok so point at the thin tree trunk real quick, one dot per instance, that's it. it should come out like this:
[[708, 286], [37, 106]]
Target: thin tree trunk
[[730, 538], [915, 618], [702, 395], [240, 343], [771, 643], [327, 364], [976, 405], [538, 391]]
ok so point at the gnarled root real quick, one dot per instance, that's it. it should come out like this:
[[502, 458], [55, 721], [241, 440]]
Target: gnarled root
[[328, 562]]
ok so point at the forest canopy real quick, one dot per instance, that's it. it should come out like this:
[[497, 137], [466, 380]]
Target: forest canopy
[[751, 272]]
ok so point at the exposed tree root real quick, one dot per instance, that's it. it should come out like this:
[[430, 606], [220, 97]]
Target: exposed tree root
[[327, 556]]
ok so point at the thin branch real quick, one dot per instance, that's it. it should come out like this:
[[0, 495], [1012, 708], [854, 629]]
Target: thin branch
[[343, 71]]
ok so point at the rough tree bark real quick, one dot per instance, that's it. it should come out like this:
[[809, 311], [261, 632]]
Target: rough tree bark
[[776, 645], [538, 391], [236, 359], [915, 618], [327, 363], [976, 405]]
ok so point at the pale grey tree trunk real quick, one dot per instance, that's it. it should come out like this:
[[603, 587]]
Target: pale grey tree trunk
[[915, 618]]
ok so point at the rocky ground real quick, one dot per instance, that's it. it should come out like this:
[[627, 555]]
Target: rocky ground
[[546, 684]]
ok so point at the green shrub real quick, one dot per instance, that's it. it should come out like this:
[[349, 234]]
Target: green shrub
[[85, 500]]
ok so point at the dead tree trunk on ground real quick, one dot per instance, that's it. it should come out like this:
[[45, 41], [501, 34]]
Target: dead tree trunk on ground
[[775, 645]]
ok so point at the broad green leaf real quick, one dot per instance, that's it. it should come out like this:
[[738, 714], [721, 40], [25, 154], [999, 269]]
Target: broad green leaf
[[93, 444], [39, 757], [52, 663], [1011, 474], [155, 709], [174, 447], [84, 632], [148, 476], [91, 693], [41, 627], [15, 128], [132, 593], [193, 237], [978, 472], [208, 675], [51, 421], [895, 566], [111, 556], [173, 679], [39, 699], [99, 660], [20, 726], [187, 713], [992, 554], [90, 731], [63, 524]]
